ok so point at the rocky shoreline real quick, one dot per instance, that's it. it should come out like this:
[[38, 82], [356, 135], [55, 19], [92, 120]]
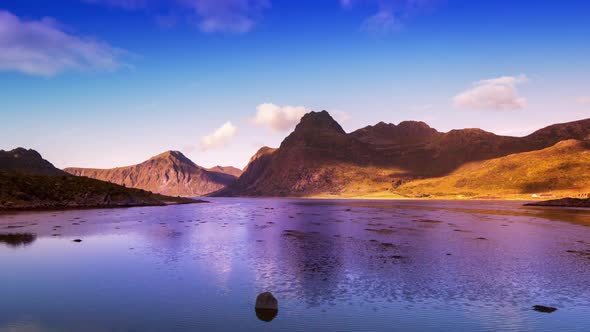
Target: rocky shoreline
[[564, 202], [20, 207]]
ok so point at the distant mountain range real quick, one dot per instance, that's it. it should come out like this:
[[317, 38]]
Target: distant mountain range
[[169, 173], [412, 159], [408, 160], [27, 181]]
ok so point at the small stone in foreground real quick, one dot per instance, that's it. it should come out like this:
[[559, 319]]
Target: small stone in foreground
[[266, 307], [77, 240]]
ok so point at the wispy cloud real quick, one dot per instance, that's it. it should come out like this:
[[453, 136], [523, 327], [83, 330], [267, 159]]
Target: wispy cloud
[[226, 16], [493, 94], [278, 118], [382, 23], [220, 137], [43, 48], [126, 4], [391, 15]]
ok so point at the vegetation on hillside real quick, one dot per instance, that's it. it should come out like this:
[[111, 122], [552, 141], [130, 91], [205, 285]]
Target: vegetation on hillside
[[560, 170], [25, 191]]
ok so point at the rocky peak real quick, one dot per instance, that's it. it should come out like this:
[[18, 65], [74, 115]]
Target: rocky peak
[[265, 150], [319, 121], [176, 157], [407, 132]]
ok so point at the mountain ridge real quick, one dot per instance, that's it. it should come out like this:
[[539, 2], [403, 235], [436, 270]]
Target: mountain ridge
[[168, 173], [320, 158]]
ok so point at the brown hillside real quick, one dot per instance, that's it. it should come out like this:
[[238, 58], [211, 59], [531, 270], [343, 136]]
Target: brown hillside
[[561, 170], [169, 173]]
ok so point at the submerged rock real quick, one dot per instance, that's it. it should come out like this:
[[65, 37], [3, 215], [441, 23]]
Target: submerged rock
[[266, 307], [544, 309]]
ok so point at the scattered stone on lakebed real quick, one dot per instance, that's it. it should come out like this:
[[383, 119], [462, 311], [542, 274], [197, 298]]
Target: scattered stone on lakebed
[[77, 240], [266, 307], [544, 309]]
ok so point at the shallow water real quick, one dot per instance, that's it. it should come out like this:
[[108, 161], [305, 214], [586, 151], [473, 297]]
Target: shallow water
[[333, 266]]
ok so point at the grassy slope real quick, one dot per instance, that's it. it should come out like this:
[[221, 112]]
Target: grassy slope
[[561, 170], [25, 191]]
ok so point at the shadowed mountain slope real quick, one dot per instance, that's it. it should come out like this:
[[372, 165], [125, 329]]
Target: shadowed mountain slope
[[26, 161]]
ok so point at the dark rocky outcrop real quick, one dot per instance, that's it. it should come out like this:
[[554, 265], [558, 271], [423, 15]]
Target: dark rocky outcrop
[[26, 161], [564, 202]]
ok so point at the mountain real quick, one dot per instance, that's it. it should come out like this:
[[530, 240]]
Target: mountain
[[26, 161], [27, 181], [169, 173], [561, 169], [255, 171], [230, 170], [320, 159]]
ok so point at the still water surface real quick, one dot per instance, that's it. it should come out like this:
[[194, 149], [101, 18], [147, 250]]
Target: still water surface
[[333, 266]]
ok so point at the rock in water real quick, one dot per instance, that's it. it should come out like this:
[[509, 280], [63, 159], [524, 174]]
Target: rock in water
[[541, 308], [267, 301], [266, 307]]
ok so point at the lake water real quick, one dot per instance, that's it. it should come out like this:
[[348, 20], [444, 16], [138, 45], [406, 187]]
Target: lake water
[[332, 265]]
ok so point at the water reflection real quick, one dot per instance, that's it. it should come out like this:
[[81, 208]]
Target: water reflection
[[266, 315], [435, 263], [17, 239]]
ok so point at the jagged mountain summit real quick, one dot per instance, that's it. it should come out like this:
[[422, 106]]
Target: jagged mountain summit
[[169, 173], [320, 158]]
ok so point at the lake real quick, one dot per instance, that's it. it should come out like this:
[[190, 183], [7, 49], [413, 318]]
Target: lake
[[333, 265]]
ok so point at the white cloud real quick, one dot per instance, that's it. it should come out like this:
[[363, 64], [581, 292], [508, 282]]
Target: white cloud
[[220, 137], [233, 16], [278, 118], [341, 117], [493, 94], [584, 100], [43, 48]]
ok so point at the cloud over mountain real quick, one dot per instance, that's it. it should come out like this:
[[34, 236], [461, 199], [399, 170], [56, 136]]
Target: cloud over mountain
[[278, 118], [220, 137], [493, 94]]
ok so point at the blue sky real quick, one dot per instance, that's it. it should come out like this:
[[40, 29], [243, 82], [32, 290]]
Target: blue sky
[[104, 83]]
